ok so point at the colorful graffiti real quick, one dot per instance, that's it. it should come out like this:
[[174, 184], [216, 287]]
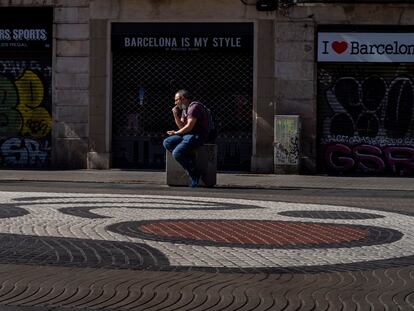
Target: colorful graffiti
[[25, 122], [367, 124], [368, 158], [286, 141], [24, 152], [37, 121]]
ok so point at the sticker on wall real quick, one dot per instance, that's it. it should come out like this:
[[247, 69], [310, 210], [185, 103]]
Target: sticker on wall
[[365, 47]]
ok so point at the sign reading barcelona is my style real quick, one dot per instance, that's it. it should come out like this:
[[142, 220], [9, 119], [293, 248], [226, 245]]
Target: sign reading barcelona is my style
[[365, 47], [182, 37]]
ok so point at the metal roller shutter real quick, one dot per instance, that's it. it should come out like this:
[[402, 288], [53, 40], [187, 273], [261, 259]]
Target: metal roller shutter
[[366, 118], [25, 87]]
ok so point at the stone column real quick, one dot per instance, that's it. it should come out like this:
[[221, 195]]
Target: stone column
[[263, 109], [295, 72], [71, 84], [99, 154]]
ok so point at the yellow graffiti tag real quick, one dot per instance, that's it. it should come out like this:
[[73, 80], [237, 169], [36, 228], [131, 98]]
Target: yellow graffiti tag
[[30, 88], [37, 121]]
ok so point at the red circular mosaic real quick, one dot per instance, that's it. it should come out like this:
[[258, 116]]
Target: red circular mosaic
[[254, 232]]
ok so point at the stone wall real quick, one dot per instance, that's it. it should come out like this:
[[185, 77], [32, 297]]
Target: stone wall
[[295, 64], [295, 80], [107, 11], [71, 75], [284, 69], [70, 127]]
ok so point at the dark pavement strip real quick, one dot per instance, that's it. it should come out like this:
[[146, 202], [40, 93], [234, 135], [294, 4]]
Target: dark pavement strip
[[56, 288]]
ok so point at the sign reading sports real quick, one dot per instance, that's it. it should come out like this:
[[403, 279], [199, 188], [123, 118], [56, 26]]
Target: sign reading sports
[[365, 47]]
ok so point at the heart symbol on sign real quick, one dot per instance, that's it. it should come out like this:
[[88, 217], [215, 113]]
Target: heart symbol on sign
[[339, 47]]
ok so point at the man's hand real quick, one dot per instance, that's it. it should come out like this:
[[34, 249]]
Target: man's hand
[[171, 133], [176, 111]]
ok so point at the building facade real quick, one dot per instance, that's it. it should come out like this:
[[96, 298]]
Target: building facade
[[309, 87]]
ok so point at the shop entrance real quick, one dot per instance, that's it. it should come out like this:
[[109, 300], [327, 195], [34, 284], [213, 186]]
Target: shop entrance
[[26, 46], [366, 119], [366, 104], [153, 60]]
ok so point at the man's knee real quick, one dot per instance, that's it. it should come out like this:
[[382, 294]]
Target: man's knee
[[177, 153], [168, 144], [165, 143]]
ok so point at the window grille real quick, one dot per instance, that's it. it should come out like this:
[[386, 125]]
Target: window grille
[[144, 84]]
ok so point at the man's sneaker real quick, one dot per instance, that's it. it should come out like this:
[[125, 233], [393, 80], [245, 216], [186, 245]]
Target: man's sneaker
[[194, 179]]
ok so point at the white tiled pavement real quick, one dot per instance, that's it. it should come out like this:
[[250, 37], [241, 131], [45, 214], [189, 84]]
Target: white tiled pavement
[[47, 219]]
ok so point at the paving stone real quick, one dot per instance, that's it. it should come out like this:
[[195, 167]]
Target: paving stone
[[78, 251]]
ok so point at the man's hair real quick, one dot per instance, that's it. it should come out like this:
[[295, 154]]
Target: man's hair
[[184, 94]]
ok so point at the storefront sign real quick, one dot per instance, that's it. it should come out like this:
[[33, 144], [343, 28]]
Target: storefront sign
[[365, 47], [182, 36], [26, 29]]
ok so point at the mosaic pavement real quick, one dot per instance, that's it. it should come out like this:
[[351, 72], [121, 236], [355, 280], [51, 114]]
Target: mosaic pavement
[[199, 234], [78, 251]]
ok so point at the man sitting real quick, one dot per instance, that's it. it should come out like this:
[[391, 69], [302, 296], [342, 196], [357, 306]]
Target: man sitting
[[191, 119]]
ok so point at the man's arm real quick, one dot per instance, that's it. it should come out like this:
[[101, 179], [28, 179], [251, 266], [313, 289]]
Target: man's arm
[[177, 117], [188, 127], [184, 128]]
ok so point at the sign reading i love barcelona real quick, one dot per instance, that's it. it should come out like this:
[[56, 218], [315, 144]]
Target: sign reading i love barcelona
[[365, 47]]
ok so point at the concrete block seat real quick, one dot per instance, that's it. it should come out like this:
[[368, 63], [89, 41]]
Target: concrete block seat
[[206, 163]]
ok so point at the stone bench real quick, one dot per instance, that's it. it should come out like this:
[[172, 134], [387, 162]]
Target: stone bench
[[206, 163]]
